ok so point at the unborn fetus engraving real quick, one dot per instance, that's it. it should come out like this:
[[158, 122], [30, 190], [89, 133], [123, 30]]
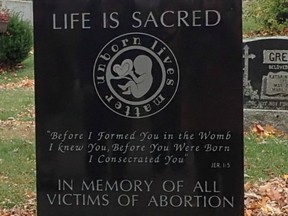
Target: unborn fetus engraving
[[140, 80]]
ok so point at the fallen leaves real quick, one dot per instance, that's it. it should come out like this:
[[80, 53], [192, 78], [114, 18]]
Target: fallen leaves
[[21, 124], [266, 33], [4, 68], [267, 198], [285, 177], [29, 209], [266, 131], [25, 83], [13, 128]]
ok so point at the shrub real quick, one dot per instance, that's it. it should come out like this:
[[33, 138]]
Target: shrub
[[16, 42], [269, 14]]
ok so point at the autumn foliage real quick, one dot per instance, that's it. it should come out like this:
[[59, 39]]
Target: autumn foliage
[[266, 131], [269, 14], [268, 198]]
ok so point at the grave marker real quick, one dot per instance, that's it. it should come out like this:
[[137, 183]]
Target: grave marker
[[266, 73], [139, 108]]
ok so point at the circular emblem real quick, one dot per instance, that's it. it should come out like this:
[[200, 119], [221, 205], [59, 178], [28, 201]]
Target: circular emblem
[[136, 75]]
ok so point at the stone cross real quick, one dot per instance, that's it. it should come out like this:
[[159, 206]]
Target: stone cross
[[246, 57]]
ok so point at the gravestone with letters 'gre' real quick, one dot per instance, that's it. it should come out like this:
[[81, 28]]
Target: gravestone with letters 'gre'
[[265, 69], [139, 107]]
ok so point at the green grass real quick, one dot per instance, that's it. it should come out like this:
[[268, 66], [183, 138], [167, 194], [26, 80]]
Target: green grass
[[250, 25], [265, 158], [17, 171], [17, 145], [25, 72], [16, 103]]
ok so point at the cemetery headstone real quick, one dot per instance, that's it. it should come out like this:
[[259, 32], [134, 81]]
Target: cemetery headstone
[[265, 66], [139, 107]]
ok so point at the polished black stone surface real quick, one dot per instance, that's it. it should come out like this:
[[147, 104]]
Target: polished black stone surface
[[139, 107], [265, 68]]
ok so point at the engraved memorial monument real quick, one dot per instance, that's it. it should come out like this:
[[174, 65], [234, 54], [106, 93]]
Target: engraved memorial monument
[[139, 107]]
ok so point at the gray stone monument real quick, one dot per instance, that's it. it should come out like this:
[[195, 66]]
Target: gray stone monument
[[265, 70], [265, 67]]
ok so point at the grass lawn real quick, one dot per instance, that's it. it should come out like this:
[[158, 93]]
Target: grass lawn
[[25, 72], [17, 149], [16, 104], [17, 175], [265, 158]]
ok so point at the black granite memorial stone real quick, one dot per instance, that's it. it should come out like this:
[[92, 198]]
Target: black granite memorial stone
[[139, 107], [265, 66]]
